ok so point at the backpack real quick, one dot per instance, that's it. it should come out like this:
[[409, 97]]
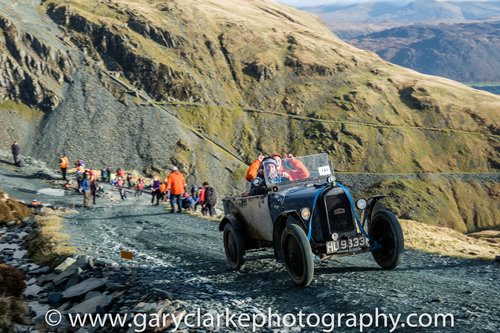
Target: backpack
[[210, 197]]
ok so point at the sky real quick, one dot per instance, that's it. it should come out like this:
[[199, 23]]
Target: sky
[[307, 3]]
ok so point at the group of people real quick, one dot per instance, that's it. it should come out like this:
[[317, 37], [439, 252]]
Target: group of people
[[270, 168], [264, 168], [173, 188]]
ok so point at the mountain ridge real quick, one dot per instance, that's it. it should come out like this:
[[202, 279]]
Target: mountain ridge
[[200, 67]]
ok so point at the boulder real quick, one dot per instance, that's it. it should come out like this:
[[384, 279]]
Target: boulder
[[60, 278], [84, 287], [65, 265], [90, 305]]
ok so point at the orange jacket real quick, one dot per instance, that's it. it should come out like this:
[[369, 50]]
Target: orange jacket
[[64, 162], [300, 171], [163, 188], [176, 183], [252, 170]]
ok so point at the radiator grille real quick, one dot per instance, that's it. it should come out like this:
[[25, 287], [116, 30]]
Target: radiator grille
[[339, 213]]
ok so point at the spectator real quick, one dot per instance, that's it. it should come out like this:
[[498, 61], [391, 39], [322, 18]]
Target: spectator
[[15, 152], [139, 186], [104, 175], [86, 191], [94, 188], [188, 202], [201, 198], [210, 200], [63, 163], [176, 184], [155, 190], [129, 180]]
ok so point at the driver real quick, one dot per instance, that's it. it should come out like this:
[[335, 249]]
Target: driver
[[270, 167], [300, 170], [271, 170]]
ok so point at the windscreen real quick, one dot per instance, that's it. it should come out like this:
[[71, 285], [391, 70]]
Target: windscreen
[[294, 169]]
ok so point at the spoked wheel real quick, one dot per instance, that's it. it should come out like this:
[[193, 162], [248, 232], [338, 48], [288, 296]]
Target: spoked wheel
[[234, 247], [386, 230], [297, 255]]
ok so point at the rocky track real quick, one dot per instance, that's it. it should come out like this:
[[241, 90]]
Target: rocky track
[[184, 255]]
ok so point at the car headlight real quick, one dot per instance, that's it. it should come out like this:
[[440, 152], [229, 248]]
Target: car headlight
[[361, 204], [305, 213]]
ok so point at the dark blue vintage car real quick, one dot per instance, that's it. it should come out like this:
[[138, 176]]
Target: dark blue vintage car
[[302, 212]]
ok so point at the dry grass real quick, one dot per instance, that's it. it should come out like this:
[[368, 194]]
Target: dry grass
[[11, 210], [49, 246], [12, 310], [440, 240]]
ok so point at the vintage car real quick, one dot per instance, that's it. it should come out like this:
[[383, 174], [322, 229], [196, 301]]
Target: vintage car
[[305, 215]]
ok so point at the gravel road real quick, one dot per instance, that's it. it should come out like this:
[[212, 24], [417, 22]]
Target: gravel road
[[184, 255]]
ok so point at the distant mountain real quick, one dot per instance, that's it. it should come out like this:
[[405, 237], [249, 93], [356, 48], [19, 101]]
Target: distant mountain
[[414, 11], [436, 50]]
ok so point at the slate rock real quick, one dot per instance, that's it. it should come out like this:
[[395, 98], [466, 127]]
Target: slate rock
[[84, 287], [65, 265], [90, 305]]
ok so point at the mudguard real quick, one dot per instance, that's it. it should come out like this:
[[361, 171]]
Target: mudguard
[[230, 218]]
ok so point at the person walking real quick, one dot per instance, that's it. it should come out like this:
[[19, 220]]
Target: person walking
[[86, 191], [210, 200], [63, 164], [104, 175], [176, 184], [15, 152]]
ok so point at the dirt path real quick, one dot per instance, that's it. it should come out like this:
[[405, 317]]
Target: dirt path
[[184, 255]]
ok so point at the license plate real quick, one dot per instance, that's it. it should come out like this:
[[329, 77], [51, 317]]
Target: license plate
[[346, 244]]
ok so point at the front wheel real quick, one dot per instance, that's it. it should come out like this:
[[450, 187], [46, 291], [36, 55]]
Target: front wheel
[[386, 231], [234, 247], [297, 255]]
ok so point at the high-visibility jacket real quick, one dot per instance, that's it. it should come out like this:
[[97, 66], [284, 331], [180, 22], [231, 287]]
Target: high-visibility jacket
[[176, 183], [64, 162]]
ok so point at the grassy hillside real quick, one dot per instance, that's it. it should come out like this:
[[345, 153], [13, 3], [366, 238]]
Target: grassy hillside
[[254, 77]]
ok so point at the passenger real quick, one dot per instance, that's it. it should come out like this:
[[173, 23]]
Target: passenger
[[254, 168], [300, 171], [176, 184]]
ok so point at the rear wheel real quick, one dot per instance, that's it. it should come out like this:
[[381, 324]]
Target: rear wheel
[[234, 247], [297, 255], [386, 231]]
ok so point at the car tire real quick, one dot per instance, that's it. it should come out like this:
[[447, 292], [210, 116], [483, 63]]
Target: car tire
[[386, 231], [297, 255], [234, 247]]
